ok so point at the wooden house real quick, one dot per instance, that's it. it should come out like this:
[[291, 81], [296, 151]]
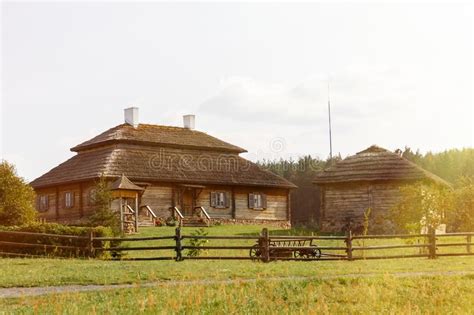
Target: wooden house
[[173, 167], [368, 179]]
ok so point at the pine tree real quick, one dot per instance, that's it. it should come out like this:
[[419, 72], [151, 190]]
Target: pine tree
[[103, 214]]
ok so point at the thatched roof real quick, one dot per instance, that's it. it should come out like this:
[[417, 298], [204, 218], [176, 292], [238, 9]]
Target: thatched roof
[[156, 135], [161, 164], [123, 183], [375, 164]]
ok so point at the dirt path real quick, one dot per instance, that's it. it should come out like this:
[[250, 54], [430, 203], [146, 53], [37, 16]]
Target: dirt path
[[36, 291]]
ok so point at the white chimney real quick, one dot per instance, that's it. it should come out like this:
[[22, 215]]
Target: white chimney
[[189, 121], [131, 116]]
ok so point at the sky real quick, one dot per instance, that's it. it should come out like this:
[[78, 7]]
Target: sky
[[255, 75]]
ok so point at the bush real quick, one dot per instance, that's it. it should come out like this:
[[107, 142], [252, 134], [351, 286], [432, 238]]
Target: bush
[[160, 222], [17, 198], [170, 221], [56, 229], [197, 242]]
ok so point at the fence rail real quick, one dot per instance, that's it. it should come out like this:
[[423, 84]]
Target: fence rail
[[266, 247]]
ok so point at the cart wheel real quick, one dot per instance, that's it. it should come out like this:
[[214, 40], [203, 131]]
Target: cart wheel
[[255, 252], [316, 253]]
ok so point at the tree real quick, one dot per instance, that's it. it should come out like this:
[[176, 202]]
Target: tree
[[304, 200], [449, 165], [103, 214], [17, 198], [462, 217], [421, 206]]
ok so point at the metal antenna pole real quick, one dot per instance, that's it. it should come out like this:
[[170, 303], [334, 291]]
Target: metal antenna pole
[[330, 131]]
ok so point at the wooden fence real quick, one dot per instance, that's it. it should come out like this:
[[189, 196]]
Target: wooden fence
[[28, 244], [265, 247]]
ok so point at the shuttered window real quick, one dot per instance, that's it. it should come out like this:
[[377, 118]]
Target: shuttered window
[[220, 199], [43, 203], [69, 199], [257, 201]]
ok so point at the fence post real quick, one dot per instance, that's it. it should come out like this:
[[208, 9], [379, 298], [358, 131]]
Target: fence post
[[266, 245], [349, 245], [432, 243], [469, 240], [91, 243], [179, 247]]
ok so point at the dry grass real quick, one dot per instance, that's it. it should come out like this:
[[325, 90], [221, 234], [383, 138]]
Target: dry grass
[[381, 295]]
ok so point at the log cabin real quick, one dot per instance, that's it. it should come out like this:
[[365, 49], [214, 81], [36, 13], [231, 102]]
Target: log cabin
[[165, 167], [369, 179]]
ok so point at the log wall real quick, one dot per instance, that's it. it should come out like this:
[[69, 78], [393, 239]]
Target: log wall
[[343, 206], [161, 196], [57, 210], [277, 204]]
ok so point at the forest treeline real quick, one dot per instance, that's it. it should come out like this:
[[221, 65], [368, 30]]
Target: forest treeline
[[451, 165]]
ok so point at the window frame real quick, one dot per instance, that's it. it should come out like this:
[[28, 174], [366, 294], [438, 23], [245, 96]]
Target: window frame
[[68, 205], [219, 199], [257, 201], [43, 203]]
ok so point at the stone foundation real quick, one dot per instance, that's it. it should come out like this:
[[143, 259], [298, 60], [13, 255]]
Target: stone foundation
[[274, 223]]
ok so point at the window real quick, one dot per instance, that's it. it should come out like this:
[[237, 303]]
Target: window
[[69, 199], [43, 203], [257, 201], [219, 199]]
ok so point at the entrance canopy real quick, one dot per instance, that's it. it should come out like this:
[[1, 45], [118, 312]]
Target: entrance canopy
[[124, 188]]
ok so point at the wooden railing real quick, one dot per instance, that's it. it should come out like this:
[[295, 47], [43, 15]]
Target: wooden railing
[[130, 209], [282, 247], [265, 247], [153, 215], [29, 244], [177, 215], [201, 211]]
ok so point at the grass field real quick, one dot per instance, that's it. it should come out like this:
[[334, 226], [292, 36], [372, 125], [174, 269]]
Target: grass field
[[381, 293]]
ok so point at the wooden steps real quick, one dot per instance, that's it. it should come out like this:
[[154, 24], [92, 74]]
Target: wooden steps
[[145, 221], [194, 222]]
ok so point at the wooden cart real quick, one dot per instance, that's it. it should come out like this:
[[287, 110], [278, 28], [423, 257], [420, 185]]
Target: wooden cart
[[291, 248]]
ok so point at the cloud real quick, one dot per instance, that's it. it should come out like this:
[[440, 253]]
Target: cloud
[[370, 105], [256, 101], [355, 94]]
